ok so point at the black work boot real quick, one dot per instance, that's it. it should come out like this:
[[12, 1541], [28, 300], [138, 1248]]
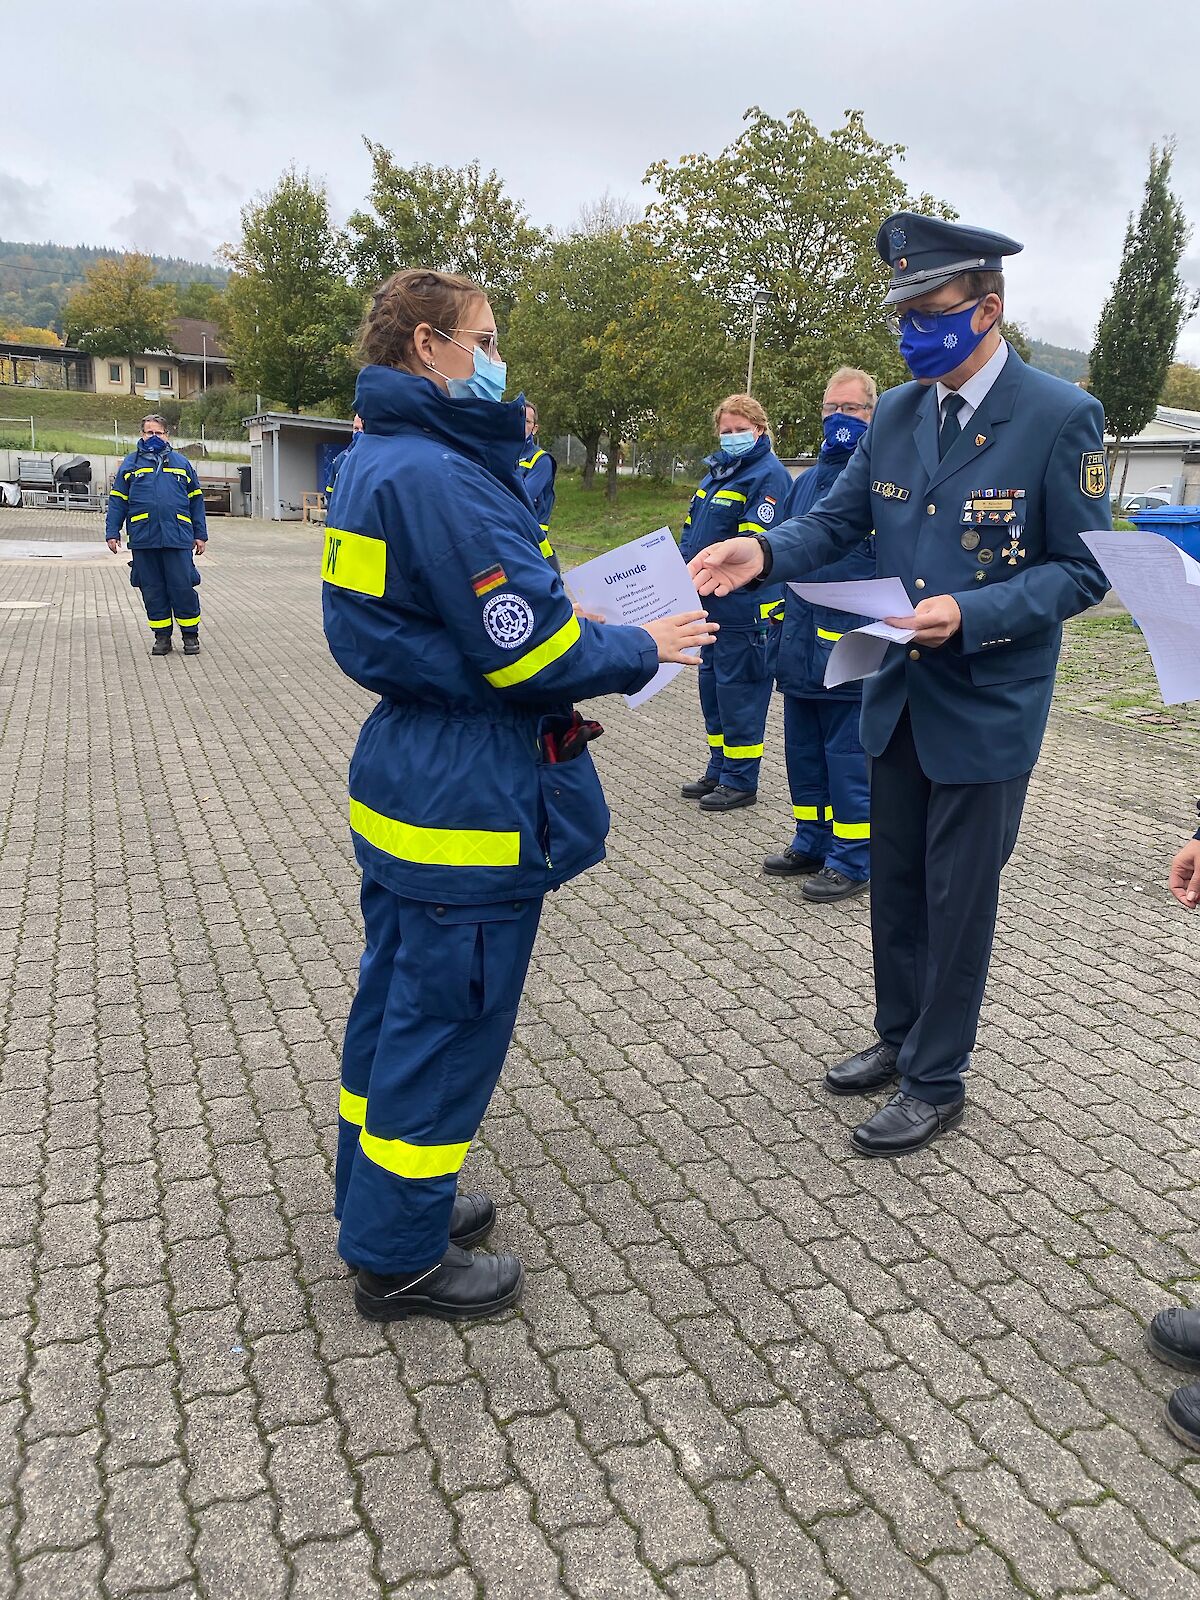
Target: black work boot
[[1174, 1336], [191, 641], [697, 790], [461, 1285], [1182, 1415], [723, 798], [162, 642], [791, 864], [829, 884], [472, 1219]]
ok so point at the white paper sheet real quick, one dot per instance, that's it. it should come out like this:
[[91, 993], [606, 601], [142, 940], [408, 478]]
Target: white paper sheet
[[1161, 586], [870, 597], [860, 652], [641, 582]]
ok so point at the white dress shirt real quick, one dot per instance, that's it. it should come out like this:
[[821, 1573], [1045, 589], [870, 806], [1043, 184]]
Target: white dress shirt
[[973, 391]]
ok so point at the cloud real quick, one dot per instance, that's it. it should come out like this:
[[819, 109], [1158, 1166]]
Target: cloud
[[160, 221], [23, 206]]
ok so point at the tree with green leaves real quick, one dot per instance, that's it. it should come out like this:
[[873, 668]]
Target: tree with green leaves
[[1181, 388], [1140, 324], [120, 311], [452, 219], [289, 316], [199, 299], [786, 210]]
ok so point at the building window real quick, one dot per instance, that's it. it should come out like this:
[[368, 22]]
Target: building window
[[139, 374], [165, 380], [114, 372]]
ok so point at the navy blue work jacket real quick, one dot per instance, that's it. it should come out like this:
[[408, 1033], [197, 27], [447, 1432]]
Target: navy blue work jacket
[[811, 631], [437, 599], [996, 524], [737, 495], [156, 496]]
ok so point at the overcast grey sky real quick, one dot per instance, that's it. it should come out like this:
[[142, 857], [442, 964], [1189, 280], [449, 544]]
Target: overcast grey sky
[[1032, 116]]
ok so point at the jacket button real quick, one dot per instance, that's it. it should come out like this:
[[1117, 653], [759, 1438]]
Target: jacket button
[[920, 583], [439, 911], [914, 655], [929, 510], [980, 576]]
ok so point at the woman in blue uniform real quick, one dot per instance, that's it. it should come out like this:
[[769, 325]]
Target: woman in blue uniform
[[743, 491], [472, 791]]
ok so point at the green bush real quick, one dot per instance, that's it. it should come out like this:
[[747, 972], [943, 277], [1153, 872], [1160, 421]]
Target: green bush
[[220, 412]]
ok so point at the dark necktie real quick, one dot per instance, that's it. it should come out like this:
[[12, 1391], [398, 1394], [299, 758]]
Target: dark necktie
[[951, 427]]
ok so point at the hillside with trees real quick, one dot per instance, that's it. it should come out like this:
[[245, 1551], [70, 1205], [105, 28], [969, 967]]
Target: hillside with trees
[[35, 279], [1058, 359]]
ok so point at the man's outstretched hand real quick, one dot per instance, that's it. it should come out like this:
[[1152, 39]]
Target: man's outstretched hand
[[727, 566], [933, 621]]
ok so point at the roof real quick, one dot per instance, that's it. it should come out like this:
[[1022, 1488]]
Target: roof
[[273, 421], [1169, 426], [192, 336], [56, 351]]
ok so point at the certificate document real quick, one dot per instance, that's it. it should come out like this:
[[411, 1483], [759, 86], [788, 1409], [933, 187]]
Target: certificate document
[[641, 582]]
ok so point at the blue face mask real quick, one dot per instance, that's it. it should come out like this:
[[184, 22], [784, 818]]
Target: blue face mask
[[156, 442], [940, 344], [736, 444], [842, 432], [485, 383]]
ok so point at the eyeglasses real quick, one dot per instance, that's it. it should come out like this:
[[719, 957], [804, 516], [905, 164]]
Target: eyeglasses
[[830, 408], [487, 339], [923, 321]]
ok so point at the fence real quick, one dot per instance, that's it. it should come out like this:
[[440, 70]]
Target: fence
[[62, 436]]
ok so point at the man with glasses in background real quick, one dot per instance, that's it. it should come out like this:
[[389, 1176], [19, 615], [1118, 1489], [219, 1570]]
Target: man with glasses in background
[[978, 479]]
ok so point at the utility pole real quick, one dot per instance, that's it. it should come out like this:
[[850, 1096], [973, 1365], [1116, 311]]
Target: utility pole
[[762, 297], [204, 360]]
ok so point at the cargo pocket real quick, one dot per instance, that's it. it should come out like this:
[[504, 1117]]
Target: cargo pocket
[[573, 816], [133, 574], [743, 656], [195, 576], [463, 958]]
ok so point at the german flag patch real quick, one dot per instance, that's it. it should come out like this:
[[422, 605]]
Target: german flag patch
[[484, 582]]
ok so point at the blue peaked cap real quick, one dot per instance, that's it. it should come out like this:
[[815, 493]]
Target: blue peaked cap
[[926, 252]]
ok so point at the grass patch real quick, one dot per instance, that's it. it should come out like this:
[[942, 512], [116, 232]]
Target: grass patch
[[63, 441], [72, 406], [585, 524]]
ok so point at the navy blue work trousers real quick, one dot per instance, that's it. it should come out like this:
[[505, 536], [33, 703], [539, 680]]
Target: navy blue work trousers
[[167, 578], [427, 1035], [937, 851]]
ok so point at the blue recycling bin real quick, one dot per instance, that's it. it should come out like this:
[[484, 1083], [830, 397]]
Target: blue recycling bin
[[1179, 524]]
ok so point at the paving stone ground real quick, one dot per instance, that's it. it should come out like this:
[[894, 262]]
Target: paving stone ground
[[746, 1363]]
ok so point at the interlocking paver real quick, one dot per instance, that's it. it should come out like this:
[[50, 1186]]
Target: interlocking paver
[[745, 1364]]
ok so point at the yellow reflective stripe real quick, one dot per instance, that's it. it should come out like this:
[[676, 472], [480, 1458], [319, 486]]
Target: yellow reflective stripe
[[192, 493], [812, 814], [546, 548], [767, 606], [118, 494], [354, 561], [434, 847], [139, 516], [137, 471], [729, 494], [154, 623], [413, 1160], [179, 471], [187, 622], [701, 494], [179, 517], [717, 740], [352, 1107], [533, 460], [536, 660], [751, 527], [851, 830], [824, 633], [743, 752]]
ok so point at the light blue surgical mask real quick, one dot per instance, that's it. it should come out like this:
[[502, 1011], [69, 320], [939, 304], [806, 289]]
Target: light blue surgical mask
[[485, 383], [736, 444]]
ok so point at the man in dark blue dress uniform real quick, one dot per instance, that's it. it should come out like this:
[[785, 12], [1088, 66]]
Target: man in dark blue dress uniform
[[978, 479]]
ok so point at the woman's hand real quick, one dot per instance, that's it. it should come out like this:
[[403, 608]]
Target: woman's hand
[[689, 630]]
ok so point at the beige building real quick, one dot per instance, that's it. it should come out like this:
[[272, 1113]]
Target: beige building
[[197, 363]]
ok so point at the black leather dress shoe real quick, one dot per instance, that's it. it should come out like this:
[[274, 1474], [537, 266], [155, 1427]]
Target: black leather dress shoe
[[697, 790], [724, 799], [473, 1218], [830, 884], [1182, 1415], [461, 1285], [791, 864], [1174, 1336], [872, 1068], [905, 1125]]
